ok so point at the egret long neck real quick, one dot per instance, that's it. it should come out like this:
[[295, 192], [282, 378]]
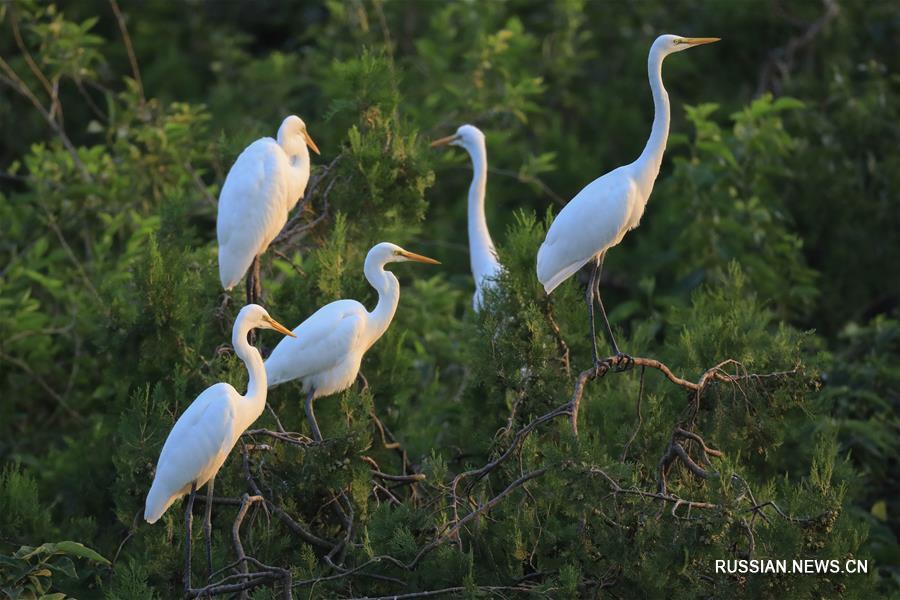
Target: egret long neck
[[482, 255], [651, 158], [298, 175], [388, 288], [254, 401]]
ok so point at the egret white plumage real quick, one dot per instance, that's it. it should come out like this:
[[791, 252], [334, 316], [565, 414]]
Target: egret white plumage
[[482, 254], [264, 184], [205, 433], [328, 347], [600, 215]]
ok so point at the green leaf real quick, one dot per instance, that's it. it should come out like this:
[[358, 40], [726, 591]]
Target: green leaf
[[82, 551]]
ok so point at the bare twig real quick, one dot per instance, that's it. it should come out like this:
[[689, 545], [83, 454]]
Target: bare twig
[[51, 221], [40, 381], [777, 68], [285, 518], [557, 335], [710, 375], [498, 589], [132, 59], [678, 502], [32, 65], [639, 416], [289, 437], [401, 478], [198, 183], [13, 80], [450, 533], [293, 227]]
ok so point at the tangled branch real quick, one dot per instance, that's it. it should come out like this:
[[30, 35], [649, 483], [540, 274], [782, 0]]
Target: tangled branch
[[713, 374], [685, 446]]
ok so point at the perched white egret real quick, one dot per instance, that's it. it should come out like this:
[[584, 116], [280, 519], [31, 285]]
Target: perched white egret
[[482, 255], [264, 184], [328, 347], [598, 217], [206, 432]]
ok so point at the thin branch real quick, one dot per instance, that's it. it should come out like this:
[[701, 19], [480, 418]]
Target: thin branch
[[615, 362], [13, 80], [781, 60], [450, 533], [639, 416], [387, 477], [678, 502], [289, 437], [120, 20], [546, 592], [14, 23], [51, 221], [198, 183], [40, 381], [293, 525]]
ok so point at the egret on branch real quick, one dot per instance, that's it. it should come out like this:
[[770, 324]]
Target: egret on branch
[[328, 347], [264, 184], [482, 255], [206, 432], [598, 217]]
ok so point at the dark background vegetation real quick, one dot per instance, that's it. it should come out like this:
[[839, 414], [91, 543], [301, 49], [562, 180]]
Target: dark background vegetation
[[772, 238]]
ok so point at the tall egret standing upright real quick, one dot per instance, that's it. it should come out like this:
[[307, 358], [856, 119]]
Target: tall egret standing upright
[[482, 255], [264, 184], [328, 347], [206, 432], [598, 217]]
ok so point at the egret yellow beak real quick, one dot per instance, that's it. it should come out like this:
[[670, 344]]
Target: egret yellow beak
[[278, 326], [311, 143], [419, 258], [444, 141], [699, 41]]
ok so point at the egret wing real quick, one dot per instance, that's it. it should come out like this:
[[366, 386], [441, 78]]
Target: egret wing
[[591, 222], [199, 441], [252, 208], [323, 340]]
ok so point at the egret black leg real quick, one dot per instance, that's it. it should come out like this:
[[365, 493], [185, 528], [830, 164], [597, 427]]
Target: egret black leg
[[598, 270], [207, 523], [311, 416], [253, 292], [251, 284], [317, 436], [188, 523], [589, 298], [257, 282], [629, 362]]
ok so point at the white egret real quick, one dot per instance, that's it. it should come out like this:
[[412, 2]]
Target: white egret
[[206, 432], [328, 347], [598, 217], [482, 255], [264, 184]]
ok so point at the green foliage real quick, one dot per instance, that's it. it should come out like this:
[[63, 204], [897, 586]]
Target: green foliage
[[28, 573], [725, 202], [20, 508], [765, 250]]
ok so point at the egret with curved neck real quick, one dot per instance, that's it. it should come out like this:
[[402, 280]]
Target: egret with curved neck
[[482, 254], [600, 215], [328, 347], [262, 187], [205, 433]]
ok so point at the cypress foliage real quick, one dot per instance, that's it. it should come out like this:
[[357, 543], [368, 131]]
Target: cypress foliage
[[481, 455]]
